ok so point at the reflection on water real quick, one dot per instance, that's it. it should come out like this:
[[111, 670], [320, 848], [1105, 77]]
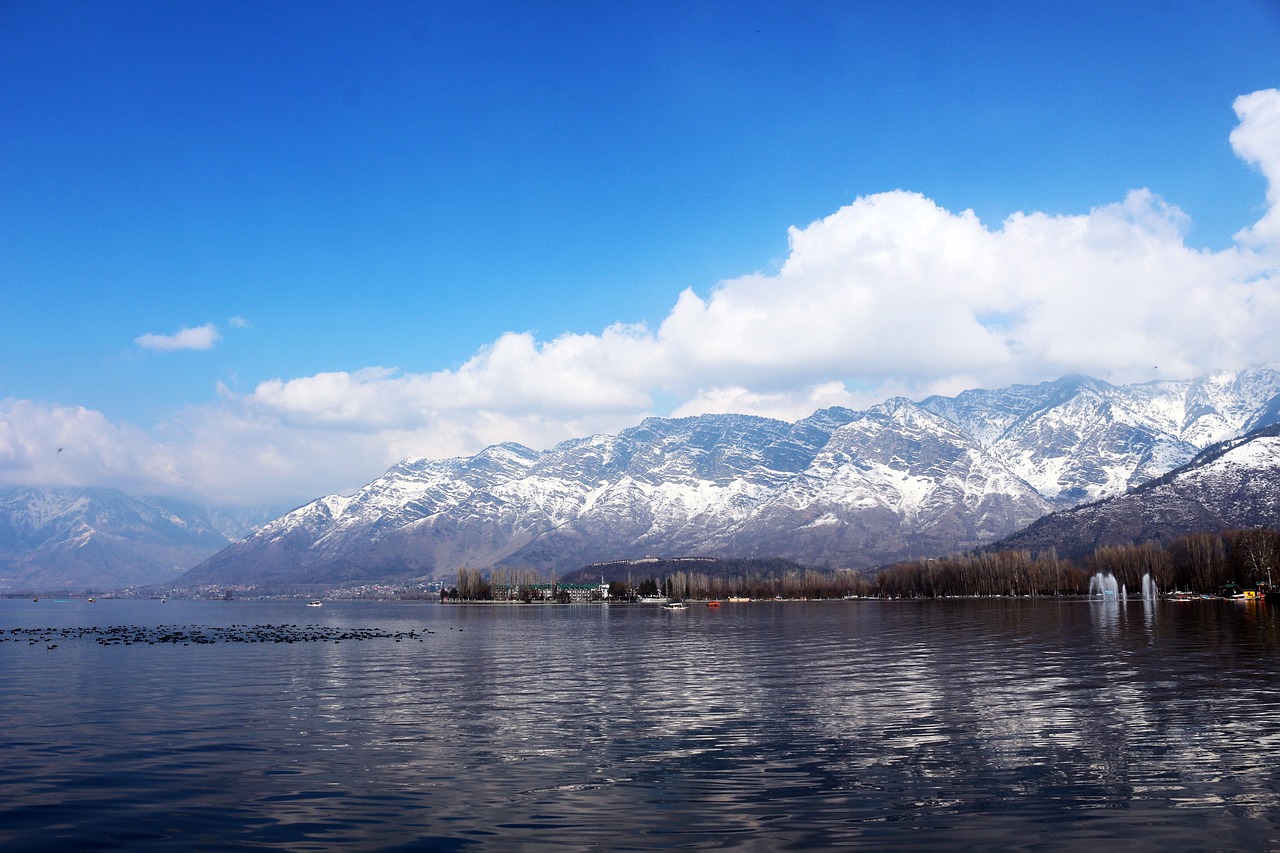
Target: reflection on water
[[875, 725]]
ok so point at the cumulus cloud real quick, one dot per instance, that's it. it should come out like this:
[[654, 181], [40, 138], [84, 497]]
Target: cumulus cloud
[[198, 337], [890, 295], [53, 445], [1256, 140], [893, 290], [215, 453], [570, 375]]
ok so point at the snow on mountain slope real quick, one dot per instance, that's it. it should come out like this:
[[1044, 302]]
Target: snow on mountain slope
[[1080, 439], [837, 488], [1225, 404], [896, 481], [74, 538], [1232, 485]]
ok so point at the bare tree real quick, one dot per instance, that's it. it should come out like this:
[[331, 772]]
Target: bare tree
[[1256, 551]]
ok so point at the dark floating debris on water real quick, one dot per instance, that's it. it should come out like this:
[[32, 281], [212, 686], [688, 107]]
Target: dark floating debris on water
[[200, 635]]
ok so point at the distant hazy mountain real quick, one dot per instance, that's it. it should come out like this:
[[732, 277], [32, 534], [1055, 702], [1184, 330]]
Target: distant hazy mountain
[[839, 488], [1233, 484], [83, 538], [233, 522]]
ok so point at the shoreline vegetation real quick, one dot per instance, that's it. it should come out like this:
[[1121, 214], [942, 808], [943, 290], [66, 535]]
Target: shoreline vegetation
[[1199, 564]]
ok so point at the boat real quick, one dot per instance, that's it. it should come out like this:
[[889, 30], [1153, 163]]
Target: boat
[[675, 605], [1233, 592], [713, 604], [315, 604]]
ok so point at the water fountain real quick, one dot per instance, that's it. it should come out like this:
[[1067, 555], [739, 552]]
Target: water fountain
[[1106, 586], [1149, 591]]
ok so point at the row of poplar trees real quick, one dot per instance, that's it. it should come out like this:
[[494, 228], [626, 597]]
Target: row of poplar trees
[[1199, 563], [1202, 563]]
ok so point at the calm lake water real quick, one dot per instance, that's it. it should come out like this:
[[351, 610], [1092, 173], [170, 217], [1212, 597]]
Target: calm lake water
[[945, 725]]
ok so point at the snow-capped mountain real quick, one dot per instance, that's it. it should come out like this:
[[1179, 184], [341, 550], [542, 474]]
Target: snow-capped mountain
[[78, 538], [1233, 484], [839, 488], [1081, 439], [896, 480]]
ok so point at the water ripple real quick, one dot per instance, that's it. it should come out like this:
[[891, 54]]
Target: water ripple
[[995, 725]]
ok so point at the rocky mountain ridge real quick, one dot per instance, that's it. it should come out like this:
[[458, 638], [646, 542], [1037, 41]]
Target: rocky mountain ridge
[[1232, 484], [838, 488]]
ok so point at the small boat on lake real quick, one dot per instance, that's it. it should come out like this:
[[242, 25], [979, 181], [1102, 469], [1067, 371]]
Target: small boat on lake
[[315, 604], [675, 605]]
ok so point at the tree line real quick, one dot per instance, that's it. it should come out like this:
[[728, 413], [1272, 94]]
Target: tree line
[[525, 585], [1202, 562]]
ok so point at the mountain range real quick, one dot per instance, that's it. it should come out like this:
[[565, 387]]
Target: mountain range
[[839, 488], [1232, 484], [86, 538], [1072, 463]]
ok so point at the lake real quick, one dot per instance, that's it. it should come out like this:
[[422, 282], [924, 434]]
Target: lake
[[871, 725]]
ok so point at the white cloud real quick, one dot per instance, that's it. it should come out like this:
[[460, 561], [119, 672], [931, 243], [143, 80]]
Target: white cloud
[[53, 445], [570, 376], [894, 291], [199, 337], [779, 404], [218, 453], [1257, 141], [238, 322], [890, 295]]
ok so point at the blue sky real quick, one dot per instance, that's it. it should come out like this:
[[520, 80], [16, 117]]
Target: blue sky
[[408, 229]]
